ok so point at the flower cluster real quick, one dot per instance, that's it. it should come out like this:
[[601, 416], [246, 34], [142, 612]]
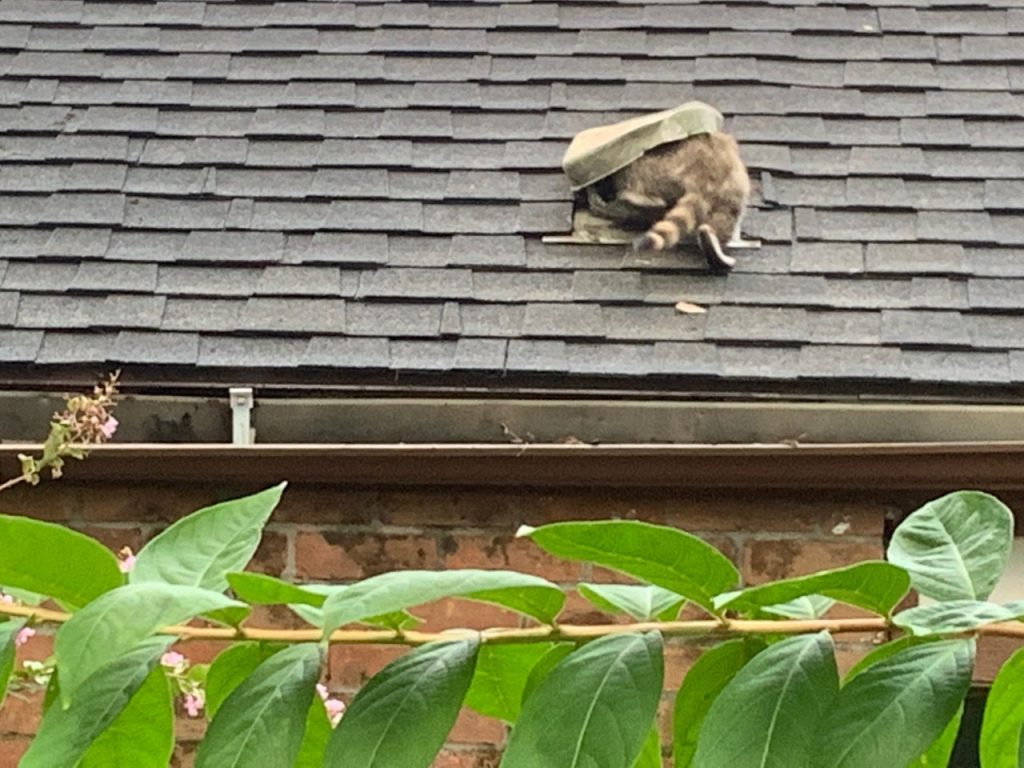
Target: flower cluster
[[335, 707], [25, 633], [126, 560], [86, 420], [188, 679]]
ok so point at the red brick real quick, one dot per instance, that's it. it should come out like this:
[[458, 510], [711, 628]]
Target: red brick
[[473, 728], [53, 501], [272, 554], [21, 712], [11, 750], [341, 555], [599, 504], [579, 610], [324, 504], [151, 503], [448, 613], [506, 553], [992, 653], [350, 666], [678, 660], [771, 559], [467, 758], [452, 507], [115, 539]]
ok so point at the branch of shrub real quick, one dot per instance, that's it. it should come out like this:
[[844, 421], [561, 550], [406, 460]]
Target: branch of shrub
[[691, 631]]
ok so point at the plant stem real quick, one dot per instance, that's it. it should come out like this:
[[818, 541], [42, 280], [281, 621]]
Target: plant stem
[[692, 631]]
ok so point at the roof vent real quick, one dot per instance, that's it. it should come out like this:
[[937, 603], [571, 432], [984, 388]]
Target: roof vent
[[597, 153]]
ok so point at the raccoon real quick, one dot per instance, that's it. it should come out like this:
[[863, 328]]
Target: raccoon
[[695, 186]]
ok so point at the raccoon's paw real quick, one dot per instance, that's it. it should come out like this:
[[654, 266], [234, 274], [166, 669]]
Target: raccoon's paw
[[718, 260], [649, 241]]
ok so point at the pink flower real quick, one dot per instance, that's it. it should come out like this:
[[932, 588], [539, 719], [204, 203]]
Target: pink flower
[[7, 599], [109, 427], [335, 709], [171, 659], [194, 703], [23, 636], [127, 561], [322, 691]]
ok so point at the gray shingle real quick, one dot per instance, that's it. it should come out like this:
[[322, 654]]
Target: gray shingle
[[521, 286], [652, 323], [563, 320], [156, 347], [205, 315], [39, 276], [111, 276], [502, 320], [336, 248], [480, 354], [457, 218], [685, 358], [396, 320], [938, 293], [300, 281], [966, 227], [613, 359], [416, 283], [775, 289], [207, 281], [345, 352], [422, 355], [832, 327], [62, 347], [19, 346], [308, 316], [759, 362], [915, 258], [986, 293], [418, 250], [866, 293], [9, 304], [241, 352], [858, 362], [112, 311], [384, 216], [545, 356], [732, 323], [960, 367], [921, 327], [607, 285], [996, 331]]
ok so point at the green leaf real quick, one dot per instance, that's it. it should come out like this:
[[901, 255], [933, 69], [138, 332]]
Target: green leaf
[[882, 652], [260, 724], [65, 734], [893, 711], [659, 555], [938, 754], [260, 589], [401, 717], [699, 689], [650, 755], [201, 549], [142, 735], [594, 709], [954, 616], [955, 547], [55, 561], [642, 602], [873, 586], [768, 714], [395, 591], [806, 607], [231, 667], [315, 737], [500, 678], [118, 620], [1000, 745], [8, 632], [542, 668]]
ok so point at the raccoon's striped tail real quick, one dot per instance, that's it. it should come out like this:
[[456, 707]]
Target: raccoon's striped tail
[[680, 220]]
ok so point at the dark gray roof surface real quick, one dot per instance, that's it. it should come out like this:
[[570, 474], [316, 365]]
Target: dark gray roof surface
[[363, 186]]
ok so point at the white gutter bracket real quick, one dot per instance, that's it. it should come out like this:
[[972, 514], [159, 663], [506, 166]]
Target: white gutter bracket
[[242, 432]]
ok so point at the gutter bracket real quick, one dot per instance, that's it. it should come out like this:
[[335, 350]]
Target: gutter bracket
[[242, 432]]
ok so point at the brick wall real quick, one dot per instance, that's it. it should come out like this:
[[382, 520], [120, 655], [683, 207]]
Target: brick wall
[[341, 533]]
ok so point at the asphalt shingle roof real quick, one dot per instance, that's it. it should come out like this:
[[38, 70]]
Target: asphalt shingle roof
[[352, 187]]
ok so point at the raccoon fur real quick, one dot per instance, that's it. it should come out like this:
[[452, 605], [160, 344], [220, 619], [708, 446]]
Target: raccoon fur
[[698, 186]]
